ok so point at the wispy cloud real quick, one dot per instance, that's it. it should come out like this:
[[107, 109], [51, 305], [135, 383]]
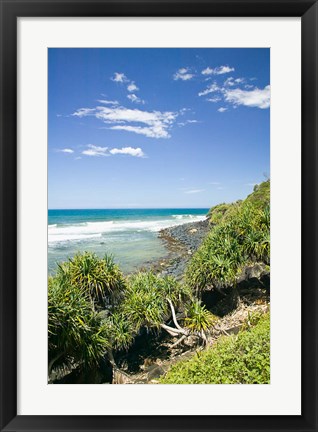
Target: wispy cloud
[[210, 89], [194, 191], [132, 87], [135, 99], [137, 152], [93, 150], [66, 150], [183, 74], [222, 109], [259, 98], [153, 124], [97, 151], [188, 122], [230, 82], [215, 183], [220, 70], [119, 77], [107, 102], [84, 112], [214, 99]]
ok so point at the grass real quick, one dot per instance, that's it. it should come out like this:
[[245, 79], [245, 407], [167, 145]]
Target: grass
[[240, 359]]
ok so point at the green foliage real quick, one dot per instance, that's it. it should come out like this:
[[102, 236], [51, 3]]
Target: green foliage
[[260, 196], [76, 334], [198, 318], [241, 359], [145, 302], [242, 236], [217, 212], [99, 278], [120, 331]]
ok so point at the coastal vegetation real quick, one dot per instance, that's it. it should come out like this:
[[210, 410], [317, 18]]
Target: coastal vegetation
[[240, 236], [242, 358], [96, 314]]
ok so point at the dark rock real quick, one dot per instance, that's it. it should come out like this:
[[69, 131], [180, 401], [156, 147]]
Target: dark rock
[[155, 371]]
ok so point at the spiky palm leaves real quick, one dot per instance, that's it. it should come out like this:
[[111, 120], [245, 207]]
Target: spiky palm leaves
[[98, 278], [145, 302], [198, 318], [76, 334], [242, 237]]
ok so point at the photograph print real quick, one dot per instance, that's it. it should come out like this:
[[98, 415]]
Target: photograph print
[[159, 216]]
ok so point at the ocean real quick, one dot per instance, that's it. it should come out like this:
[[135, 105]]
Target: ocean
[[130, 235]]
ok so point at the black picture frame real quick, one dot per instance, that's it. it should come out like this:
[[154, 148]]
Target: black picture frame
[[10, 11]]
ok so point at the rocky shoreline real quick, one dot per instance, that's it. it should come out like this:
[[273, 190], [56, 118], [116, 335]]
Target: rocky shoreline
[[181, 242]]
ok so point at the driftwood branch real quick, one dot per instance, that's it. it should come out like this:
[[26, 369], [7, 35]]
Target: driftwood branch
[[174, 331], [174, 314]]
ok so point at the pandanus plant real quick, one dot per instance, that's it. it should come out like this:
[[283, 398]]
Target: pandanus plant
[[77, 336], [100, 278]]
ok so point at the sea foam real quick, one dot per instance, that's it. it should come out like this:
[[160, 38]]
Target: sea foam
[[90, 230]]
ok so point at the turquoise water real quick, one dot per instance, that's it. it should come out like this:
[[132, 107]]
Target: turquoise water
[[131, 235]]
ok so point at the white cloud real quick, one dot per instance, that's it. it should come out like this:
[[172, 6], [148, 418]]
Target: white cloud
[[259, 98], [188, 122], [135, 99], [183, 74], [154, 124], [210, 89], [217, 71], [214, 99], [229, 82], [137, 152], [95, 151], [215, 183], [119, 77], [223, 70], [193, 191], [67, 150], [222, 109], [107, 102], [84, 112], [132, 87], [207, 71], [150, 132]]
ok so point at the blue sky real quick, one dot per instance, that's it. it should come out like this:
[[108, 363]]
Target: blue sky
[[147, 128]]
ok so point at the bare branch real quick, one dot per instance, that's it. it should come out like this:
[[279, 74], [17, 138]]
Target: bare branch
[[173, 331], [178, 341], [173, 314]]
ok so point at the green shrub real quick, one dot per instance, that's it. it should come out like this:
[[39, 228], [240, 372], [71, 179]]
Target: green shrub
[[145, 302], [241, 237], [76, 334], [100, 278], [241, 359], [260, 196], [198, 318]]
